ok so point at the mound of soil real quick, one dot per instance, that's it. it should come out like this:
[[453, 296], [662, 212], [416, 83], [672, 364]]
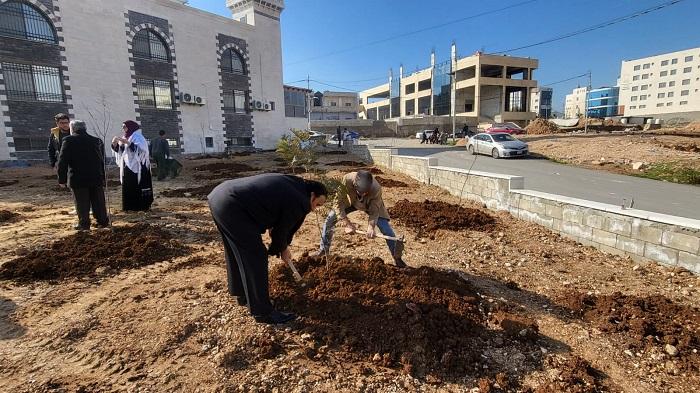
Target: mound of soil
[[334, 152], [199, 192], [432, 215], [207, 156], [229, 167], [81, 254], [390, 183], [541, 127], [7, 216], [687, 147], [423, 321], [347, 163], [5, 183], [647, 323], [575, 375], [372, 170]]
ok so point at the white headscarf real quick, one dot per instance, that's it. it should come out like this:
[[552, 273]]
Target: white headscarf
[[133, 159]]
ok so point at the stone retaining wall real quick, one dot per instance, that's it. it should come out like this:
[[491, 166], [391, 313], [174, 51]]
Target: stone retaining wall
[[642, 235]]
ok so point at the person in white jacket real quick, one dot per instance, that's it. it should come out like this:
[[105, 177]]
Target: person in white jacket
[[131, 152]]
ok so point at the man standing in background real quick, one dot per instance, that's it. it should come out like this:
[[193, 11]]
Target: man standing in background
[[81, 167], [160, 151], [59, 132], [339, 135]]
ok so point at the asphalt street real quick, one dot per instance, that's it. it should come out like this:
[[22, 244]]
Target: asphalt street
[[546, 176]]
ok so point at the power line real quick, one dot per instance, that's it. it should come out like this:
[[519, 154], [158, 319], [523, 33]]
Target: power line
[[334, 86], [565, 80], [595, 27], [391, 38]]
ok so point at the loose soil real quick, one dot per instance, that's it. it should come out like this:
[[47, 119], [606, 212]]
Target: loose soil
[[390, 183], [430, 215], [5, 183], [7, 216], [156, 327], [200, 192], [346, 163], [542, 126], [225, 167], [373, 170], [81, 254], [645, 324]]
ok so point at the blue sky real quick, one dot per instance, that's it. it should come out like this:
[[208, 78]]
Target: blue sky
[[313, 29]]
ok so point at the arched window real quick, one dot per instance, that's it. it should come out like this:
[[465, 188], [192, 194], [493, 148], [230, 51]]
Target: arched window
[[232, 61], [149, 45], [21, 20]]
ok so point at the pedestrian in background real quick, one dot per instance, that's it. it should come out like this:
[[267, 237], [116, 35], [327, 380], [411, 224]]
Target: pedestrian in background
[[131, 153], [339, 135], [81, 167], [160, 151], [59, 132]]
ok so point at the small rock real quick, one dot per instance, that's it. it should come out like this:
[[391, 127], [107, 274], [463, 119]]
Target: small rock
[[377, 357], [508, 264], [629, 353], [671, 350], [638, 166], [635, 268], [306, 336]]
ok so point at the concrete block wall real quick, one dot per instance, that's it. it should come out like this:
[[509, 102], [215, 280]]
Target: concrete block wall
[[642, 235]]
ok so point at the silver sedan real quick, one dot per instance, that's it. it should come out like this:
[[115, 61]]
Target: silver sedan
[[497, 145]]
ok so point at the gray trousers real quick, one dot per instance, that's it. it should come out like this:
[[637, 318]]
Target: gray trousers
[[87, 198]]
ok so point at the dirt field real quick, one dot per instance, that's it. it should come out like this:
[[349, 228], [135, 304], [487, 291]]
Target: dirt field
[[488, 304], [619, 152]]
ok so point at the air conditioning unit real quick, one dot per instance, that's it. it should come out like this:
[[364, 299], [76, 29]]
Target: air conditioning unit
[[188, 98]]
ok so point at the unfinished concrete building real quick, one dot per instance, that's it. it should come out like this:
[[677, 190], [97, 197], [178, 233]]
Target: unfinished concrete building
[[475, 89]]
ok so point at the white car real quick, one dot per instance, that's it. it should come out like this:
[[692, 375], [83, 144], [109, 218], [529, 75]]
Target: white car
[[497, 145], [428, 134]]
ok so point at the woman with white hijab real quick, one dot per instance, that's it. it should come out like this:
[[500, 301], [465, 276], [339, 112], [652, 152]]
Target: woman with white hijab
[[131, 151]]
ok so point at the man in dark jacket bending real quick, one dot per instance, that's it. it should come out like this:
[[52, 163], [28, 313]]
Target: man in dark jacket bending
[[245, 208], [81, 167]]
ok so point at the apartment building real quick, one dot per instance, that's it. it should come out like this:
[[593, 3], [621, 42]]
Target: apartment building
[[603, 102], [296, 107], [334, 105], [664, 86], [575, 103], [208, 81], [476, 88], [541, 102]]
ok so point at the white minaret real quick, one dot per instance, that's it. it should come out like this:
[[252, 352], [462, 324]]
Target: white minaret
[[248, 11]]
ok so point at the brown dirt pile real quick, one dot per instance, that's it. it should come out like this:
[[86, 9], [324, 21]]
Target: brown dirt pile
[[431, 215], [229, 167], [648, 323], [347, 163], [81, 254], [694, 126], [423, 321], [7, 216], [372, 170], [390, 183], [334, 152], [5, 183], [541, 127], [199, 192], [574, 375], [687, 147]]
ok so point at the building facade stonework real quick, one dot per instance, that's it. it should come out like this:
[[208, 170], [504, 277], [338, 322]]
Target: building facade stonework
[[210, 82]]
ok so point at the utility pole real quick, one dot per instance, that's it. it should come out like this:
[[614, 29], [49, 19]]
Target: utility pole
[[585, 115], [309, 102]]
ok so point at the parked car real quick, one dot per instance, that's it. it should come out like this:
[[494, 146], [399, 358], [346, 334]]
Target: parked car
[[497, 145], [318, 136], [428, 133], [508, 128]]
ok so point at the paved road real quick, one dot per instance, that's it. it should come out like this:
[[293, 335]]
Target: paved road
[[546, 176]]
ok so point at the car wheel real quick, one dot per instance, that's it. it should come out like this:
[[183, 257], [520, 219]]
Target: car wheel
[[471, 150], [494, 153]]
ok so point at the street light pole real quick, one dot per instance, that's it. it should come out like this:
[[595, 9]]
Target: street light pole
[[308, 84], [585, 115]]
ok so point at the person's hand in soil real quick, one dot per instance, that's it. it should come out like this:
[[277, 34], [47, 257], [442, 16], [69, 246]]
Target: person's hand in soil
[[349, 227], [370, 230], [286, 255]]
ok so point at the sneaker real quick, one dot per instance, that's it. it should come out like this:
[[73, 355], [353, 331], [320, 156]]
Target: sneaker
[[275, 318], [400, 263]]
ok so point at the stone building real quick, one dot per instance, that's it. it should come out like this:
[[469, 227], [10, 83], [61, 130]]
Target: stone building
[[208, 81]]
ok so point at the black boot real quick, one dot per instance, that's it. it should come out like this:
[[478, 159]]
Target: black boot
[[275, 317], [400, 263]]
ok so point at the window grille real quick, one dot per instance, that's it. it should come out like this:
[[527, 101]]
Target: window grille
[[24, 82], [149, 45], [232, 62], [21, 20]]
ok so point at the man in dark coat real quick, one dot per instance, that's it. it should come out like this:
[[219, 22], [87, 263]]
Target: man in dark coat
[[81, 167], [339, 135], [160, 151], [245, 208], [59, 132]]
